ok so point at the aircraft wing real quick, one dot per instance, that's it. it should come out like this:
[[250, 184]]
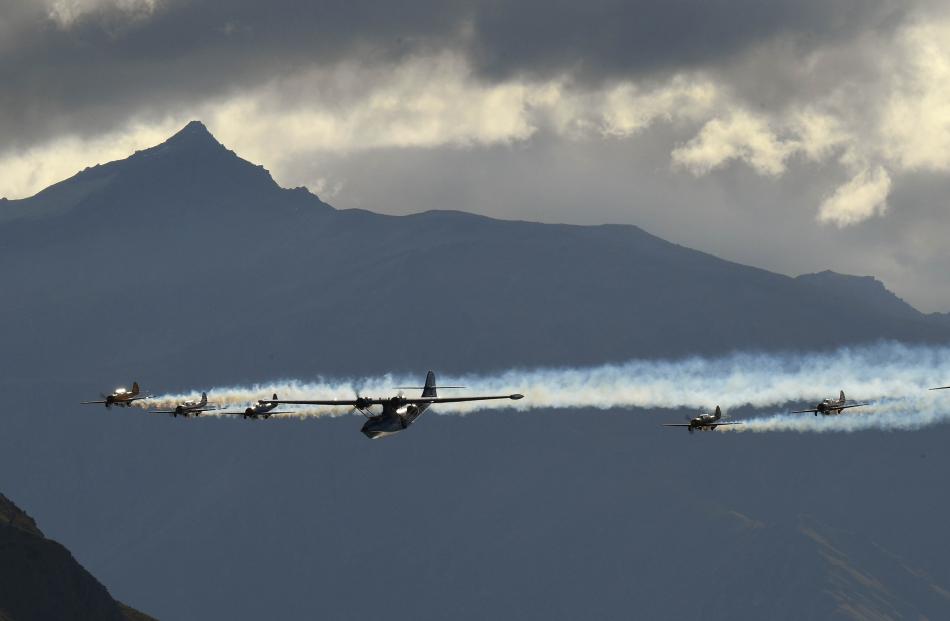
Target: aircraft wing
[[183, 412], [91, 402], [939, 388], [676, 424], [261, 415], [349, 402], [735, 422], [853, 405], [406, 400], [811, 411], [417, 400]]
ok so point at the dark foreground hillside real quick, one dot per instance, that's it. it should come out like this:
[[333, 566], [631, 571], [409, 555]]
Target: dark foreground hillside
[[40, 580]]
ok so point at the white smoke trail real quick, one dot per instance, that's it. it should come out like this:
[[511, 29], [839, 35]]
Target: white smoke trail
[[871, 373], [907, 414]]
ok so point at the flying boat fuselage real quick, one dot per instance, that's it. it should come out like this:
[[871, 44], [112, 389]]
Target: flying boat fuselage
[[395, 417]]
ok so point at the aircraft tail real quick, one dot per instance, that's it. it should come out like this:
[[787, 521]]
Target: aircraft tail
[[204, 398], [274, 397], [718, 413], [135, 388], [430, 390], [841, 396]]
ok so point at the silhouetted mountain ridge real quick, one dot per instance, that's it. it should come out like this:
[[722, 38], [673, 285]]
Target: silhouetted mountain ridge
[[190, 220], [834, 288], [41, 580]]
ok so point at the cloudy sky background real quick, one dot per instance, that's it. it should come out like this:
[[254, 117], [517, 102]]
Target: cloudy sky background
[[794, 135]]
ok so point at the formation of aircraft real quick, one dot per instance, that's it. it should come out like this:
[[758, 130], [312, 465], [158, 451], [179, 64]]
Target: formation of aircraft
[[709, 422], [704, 422], [831, 406], [120, 397], [397, 412], [188, 408]]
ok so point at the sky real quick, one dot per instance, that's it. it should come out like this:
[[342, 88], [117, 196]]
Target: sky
[[793, 135]]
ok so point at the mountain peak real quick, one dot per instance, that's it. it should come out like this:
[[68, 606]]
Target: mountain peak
[[193, 135]]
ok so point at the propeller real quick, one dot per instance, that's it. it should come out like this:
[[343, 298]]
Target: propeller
[[362, 404]]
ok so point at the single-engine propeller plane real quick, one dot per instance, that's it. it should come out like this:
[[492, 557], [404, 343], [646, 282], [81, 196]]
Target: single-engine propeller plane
[[263, 409], [831, 406], [121, 397], [188, 408], [398, 412], [704, 422]]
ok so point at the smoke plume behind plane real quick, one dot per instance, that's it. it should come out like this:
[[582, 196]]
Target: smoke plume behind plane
[[894, 378]]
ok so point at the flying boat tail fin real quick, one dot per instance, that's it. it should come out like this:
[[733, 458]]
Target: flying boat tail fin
[[430, 390], [135, 388], [204, 398], [841, 396], [718, 413]]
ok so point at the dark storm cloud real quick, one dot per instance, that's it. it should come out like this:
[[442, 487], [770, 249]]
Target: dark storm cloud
[[612, 38], [112, 64]]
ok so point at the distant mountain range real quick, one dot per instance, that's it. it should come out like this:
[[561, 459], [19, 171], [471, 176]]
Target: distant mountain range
[[186, 267], [41, 580], [185, 247]]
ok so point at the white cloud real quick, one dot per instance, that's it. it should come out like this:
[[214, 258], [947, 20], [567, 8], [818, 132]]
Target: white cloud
[[627, 109], [66, 12], [916, 118], [739, 136], [422, 103], [860, 198]]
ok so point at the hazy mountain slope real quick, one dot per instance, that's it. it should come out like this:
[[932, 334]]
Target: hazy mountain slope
[[155, 251], [40, 579]]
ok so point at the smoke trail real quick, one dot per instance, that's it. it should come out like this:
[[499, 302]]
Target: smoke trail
[[887, 371], [907, 414]]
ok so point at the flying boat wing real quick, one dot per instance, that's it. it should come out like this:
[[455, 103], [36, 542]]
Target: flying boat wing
[[261, 415], [419, 400], [349, 402], [811, 411], [406, 400]]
